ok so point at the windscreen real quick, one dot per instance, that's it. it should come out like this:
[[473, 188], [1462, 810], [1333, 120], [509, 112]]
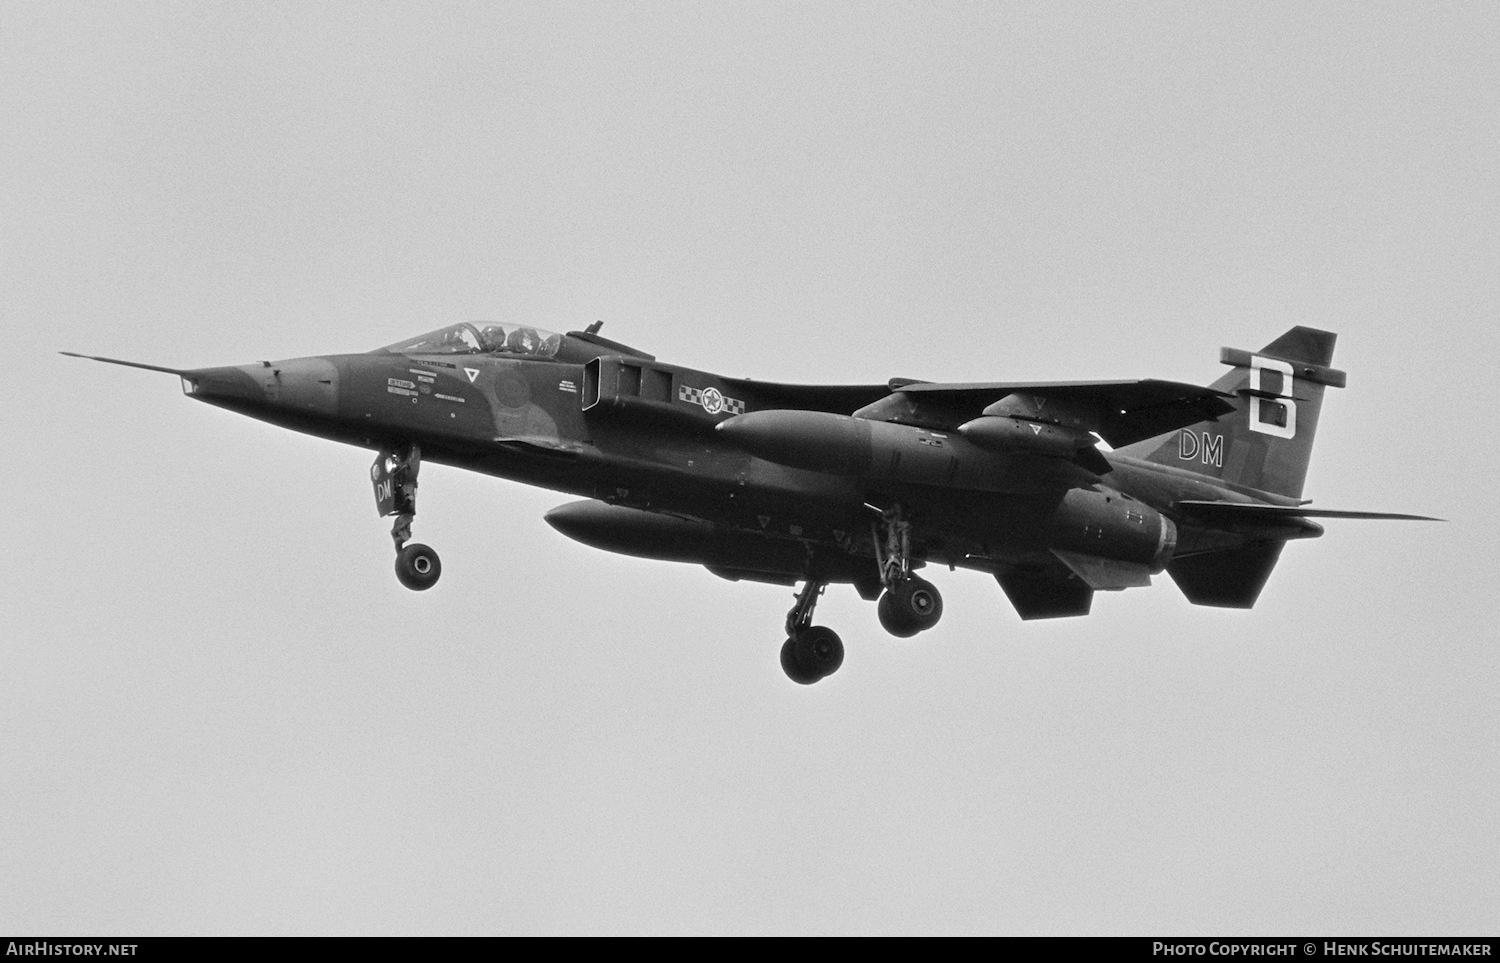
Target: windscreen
[[482, 338]]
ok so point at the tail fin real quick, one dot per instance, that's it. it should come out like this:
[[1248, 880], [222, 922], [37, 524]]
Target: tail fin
[[1266, 442]]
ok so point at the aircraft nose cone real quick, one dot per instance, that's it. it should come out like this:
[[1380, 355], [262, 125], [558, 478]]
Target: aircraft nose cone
[[223, 385], [300, 384]]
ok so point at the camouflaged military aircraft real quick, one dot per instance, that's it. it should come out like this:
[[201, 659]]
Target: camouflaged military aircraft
[[821, 484]]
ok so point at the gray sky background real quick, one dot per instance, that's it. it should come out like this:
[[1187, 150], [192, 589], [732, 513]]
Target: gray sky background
[[219, 712]]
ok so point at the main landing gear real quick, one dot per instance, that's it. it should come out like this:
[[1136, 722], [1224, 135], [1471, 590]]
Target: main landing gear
[[811, 652], [908, 605], [394, 476]]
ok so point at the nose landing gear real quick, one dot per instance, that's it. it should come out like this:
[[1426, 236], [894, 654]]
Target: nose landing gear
[[394, 476]]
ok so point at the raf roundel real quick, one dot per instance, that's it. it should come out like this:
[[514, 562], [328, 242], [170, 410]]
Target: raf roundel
[[712, 400]]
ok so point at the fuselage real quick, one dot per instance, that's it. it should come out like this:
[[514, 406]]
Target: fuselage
[[628, 431]]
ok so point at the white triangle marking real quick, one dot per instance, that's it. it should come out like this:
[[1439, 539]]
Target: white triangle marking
[[472, 373]]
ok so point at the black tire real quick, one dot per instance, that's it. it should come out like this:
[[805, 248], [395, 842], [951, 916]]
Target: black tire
[[920, 602], [790, 666], [418, 567], [818, 651], [891, 619], [913, 606]]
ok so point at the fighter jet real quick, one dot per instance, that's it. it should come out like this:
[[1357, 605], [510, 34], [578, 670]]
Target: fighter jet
[[1056, 489]]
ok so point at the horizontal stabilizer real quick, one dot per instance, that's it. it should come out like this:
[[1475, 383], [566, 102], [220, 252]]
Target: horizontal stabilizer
[[1226, 580], [1243, 513]]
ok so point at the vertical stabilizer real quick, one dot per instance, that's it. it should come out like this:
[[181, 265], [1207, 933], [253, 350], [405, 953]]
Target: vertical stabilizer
[[1266, 443]]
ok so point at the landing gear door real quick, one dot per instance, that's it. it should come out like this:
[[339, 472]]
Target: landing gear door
[[394, 478], [383, 477]]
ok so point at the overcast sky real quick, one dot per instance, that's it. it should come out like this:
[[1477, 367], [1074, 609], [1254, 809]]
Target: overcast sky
[[220, 713]]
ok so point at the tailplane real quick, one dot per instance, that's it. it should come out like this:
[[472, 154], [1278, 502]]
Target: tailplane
[[1266, 443], [1229, 579]]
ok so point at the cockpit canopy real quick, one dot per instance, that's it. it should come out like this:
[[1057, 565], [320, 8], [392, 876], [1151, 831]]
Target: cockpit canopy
[[514, 340]]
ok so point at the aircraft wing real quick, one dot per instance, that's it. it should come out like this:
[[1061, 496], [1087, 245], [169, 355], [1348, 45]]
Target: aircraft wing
[[1121, 412]]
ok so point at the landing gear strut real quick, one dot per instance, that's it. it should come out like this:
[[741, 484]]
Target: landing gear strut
[[394, 476], [909, 604], [811, 652]]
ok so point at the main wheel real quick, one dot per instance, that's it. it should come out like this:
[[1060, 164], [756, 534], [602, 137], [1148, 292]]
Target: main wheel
[[418, 567], [818, 650], [792, 667], [891, 618], [921, 601], [914, 605]]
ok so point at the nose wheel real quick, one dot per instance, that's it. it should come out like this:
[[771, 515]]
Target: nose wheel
[[418, 567], [394, 476]]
